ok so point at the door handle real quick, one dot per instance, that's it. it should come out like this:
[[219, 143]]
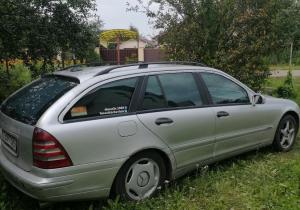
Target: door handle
[[222, 114], [163, 120]]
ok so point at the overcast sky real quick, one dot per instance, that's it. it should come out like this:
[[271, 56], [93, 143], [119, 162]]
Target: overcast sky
[[114, 15]]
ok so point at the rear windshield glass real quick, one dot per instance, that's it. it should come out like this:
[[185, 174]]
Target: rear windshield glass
[[31, 102]]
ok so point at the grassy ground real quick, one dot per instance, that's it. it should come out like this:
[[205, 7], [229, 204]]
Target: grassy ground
[[260, 179]]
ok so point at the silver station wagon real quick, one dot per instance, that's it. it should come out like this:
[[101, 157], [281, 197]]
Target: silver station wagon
[[88, 132]]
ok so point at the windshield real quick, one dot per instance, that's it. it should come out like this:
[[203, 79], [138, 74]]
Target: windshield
[[31, 102]]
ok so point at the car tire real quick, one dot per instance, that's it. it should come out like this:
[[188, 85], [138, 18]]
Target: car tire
[[140, 177], [286, 134]]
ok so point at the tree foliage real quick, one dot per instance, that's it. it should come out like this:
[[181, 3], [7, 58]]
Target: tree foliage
[[287, 24], [233, 35], [34, 30]]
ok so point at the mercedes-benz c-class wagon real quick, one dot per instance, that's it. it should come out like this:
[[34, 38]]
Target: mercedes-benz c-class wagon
[[91, 132]]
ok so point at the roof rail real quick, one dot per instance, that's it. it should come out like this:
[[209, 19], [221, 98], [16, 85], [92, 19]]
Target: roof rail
[[93, 64], [69, 67], [143, 65]]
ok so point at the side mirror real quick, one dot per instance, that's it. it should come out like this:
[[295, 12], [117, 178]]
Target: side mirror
[[258, 99]]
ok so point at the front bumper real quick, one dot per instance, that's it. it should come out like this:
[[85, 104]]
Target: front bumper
[[81, 182]]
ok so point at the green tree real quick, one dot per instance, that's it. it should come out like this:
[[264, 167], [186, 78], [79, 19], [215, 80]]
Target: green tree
[[12, 27], [34, 30], [248, 37], [85, 41], [233, 35], [287, 26]]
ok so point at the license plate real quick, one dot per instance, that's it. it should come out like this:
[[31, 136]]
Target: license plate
[[10, 141]]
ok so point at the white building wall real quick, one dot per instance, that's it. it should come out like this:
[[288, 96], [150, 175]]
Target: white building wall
[[132, 44]]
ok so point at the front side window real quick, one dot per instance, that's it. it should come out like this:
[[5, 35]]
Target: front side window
[[171, 91], [224, 91], [110, 99]]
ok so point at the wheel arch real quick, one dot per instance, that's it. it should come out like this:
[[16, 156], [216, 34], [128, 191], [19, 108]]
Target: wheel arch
[[292, 113]]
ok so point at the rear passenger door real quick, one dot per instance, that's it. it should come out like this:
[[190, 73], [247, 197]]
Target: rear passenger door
[[100, 122], [173, 107]]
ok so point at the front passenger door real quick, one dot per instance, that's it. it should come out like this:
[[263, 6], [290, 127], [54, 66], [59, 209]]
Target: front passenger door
[[239, 124]]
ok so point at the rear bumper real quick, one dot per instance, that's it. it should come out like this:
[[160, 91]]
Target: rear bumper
[[83, 182]]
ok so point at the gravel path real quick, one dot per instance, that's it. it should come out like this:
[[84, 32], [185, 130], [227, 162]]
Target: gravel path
[[283, 73]]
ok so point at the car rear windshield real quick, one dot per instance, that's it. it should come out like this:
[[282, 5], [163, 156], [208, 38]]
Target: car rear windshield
[[31, 102]]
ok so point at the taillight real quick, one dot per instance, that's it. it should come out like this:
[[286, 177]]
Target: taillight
[[48, 153]]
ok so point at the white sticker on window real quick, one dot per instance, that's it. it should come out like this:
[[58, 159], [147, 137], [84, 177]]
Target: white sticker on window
[[114, 110]]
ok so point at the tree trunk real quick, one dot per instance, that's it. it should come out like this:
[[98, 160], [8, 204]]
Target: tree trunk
[[50, 61], [34, 69], [7, 67], [74, 57], [44, 66], [63, 59]]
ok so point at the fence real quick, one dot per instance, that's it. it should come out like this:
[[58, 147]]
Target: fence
[[130, 55], [126, 56], [154, 55]]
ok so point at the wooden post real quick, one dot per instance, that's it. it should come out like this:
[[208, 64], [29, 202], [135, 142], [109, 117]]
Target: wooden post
[[118, 50], [100, 61]]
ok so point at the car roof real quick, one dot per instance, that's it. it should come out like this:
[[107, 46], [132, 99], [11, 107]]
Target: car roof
[[83, 73]]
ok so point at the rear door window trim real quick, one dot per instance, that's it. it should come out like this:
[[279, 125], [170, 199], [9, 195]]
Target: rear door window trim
[[211, 103]]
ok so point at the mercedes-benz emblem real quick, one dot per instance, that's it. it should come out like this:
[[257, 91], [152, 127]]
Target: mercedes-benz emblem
[[143, 179]]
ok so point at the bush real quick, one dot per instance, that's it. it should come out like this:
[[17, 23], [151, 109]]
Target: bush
[[93, 57], [19, 75], [131, 59], [287, 90]]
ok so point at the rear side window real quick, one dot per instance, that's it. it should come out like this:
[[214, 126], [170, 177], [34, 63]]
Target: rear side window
[[31, 102], [154, 97], [223, 90], [110, 99], [171, 91]]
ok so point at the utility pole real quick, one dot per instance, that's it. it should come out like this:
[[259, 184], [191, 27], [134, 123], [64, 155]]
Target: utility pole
[[291, 54]]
